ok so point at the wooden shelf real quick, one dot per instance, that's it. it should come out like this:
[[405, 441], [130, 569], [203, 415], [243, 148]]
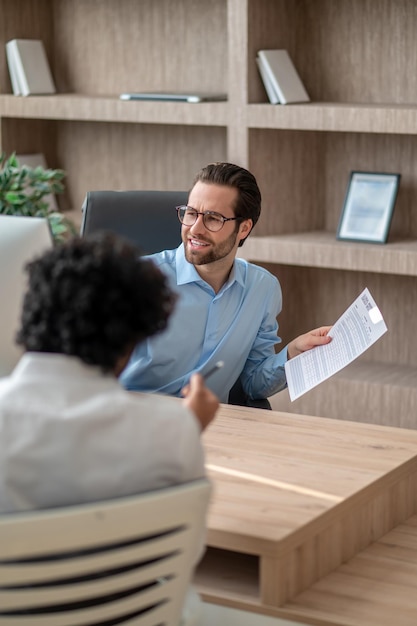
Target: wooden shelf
[[112, 109], [331, 116], [313, 116], [322, 249]]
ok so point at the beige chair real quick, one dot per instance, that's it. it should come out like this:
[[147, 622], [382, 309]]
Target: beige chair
[[124, 561]]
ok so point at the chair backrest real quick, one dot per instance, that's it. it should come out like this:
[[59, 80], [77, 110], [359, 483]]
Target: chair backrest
[[146, 218], [122, 561]]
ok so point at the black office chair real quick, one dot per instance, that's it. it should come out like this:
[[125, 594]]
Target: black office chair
[[238, 396], [148, 220]]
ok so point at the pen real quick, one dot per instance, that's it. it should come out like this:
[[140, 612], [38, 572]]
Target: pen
[[211, 371]]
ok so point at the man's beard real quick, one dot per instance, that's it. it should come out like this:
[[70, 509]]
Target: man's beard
[[219, 251]]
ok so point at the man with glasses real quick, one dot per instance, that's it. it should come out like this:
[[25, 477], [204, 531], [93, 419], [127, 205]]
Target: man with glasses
[[227, 307]]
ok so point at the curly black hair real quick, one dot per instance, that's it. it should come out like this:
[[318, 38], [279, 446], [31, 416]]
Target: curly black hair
[[93, 298]]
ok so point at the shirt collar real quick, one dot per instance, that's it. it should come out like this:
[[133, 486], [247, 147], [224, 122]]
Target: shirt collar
[[186, 272], [44, 364]]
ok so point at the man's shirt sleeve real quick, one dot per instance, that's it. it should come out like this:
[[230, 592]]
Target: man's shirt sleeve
[[264, 373]]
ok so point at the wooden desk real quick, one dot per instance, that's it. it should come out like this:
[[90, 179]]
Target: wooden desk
[[295, 498]]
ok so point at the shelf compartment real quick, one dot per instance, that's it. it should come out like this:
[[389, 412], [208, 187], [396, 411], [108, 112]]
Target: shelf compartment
[[116, 155], [235, 574], [337, 63], [321, 249], [303, 177]]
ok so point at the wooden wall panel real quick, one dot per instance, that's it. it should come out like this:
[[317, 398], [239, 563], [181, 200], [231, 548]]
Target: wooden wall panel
[[109, 47]]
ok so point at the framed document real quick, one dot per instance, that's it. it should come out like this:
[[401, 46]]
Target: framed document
[[368, 207]]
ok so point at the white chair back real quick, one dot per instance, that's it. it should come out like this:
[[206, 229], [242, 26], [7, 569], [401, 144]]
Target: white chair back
[[125, 561]]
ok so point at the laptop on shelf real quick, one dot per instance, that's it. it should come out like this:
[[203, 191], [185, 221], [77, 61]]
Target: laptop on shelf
[[170, 96]]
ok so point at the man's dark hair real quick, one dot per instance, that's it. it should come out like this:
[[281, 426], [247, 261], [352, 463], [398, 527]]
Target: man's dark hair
[[248, 205], [93, 298]]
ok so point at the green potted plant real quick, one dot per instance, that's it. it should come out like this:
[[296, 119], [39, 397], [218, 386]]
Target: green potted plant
[[24, 190]]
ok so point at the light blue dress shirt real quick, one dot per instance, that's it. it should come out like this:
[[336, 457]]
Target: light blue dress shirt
[[237, 325]]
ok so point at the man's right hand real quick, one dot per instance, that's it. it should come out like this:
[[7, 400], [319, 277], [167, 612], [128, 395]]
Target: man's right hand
[[200, 400]]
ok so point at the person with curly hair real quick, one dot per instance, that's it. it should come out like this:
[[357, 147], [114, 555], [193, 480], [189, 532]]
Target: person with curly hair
[[70, 433]]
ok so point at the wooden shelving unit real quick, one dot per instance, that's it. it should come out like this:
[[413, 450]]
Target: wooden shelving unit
[[362, 116]]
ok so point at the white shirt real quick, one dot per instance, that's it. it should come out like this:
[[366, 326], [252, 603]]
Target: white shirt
[[69, 434]]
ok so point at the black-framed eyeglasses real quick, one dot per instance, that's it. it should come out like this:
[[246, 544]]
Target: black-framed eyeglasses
[[212, 221]]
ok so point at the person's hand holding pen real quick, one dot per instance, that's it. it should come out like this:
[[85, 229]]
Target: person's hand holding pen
[[199, 399]]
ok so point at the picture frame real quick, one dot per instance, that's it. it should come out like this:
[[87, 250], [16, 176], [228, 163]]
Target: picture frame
[[368, 207]]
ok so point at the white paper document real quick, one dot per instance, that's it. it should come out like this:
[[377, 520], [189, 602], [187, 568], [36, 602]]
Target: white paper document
[[354, 332]]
